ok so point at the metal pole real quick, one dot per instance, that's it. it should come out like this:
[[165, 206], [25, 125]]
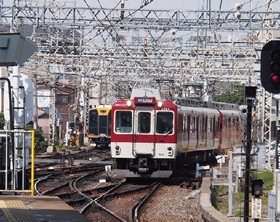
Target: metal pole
[[248, 151], [277, 154], [277, 134]]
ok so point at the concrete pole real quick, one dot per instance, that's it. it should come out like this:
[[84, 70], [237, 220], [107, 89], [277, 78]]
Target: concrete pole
[[15, 83], [230, 188]]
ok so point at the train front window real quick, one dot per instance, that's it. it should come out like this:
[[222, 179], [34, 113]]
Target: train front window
[[144, 122], [93, 117], [164, 122], [103, 124], [123, 122], [93, 121]]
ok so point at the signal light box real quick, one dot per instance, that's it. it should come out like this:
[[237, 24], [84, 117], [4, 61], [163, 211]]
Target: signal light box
[[270, 66], [15, 49]]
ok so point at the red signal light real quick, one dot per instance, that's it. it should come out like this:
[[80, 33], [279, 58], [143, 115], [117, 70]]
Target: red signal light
[[275, 78]]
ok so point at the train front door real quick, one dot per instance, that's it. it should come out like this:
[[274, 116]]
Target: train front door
[[144, 133]]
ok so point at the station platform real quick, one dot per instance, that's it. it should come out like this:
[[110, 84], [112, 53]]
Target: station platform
[[22, 208]]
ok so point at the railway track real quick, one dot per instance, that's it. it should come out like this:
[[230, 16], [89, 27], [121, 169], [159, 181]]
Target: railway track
[[121, 203], [101, 196]]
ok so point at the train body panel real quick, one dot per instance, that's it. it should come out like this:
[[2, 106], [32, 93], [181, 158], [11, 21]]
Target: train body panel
[[197, 129], [150, 136], [160, 152]]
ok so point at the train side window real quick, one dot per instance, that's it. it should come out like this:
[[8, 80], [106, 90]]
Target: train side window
[[192, 124], [217, 125], [210, 125], [164, 122], [123, 122], [185, 123], [93, 118], [225, 122], [201, 120]]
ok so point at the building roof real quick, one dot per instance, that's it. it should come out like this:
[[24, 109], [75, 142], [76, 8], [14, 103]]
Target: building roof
[[46, 111]]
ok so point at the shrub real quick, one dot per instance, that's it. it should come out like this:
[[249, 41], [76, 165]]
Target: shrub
[[40, 144]]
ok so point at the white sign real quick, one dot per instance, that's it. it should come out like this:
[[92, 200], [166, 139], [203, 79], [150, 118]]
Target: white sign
[[256, 208]]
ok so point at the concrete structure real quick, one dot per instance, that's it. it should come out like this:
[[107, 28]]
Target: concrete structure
[[37, 208]]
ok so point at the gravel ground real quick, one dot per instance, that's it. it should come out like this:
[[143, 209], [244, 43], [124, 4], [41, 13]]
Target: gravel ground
[[170, 204]]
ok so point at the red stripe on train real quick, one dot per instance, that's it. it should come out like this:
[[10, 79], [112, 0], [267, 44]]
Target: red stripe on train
[[129, 138]]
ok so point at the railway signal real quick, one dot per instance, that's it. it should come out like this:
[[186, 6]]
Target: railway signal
[[270, 66], [257, 188]]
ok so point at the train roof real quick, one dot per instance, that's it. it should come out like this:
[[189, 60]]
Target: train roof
[[207, 104], [147, 92], [230, 112], [198, 110], [105, 106]]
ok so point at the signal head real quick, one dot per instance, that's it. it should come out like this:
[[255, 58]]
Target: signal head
[[275, 55], [270, 66]]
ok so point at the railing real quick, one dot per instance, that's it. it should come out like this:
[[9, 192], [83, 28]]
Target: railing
[[16, 149]]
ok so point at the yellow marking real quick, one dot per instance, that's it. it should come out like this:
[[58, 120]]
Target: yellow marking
[[15, 211], [105, 111], [6, 211]]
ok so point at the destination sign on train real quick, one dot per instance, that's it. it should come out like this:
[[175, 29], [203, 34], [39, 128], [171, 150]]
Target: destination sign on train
[[146, 100]]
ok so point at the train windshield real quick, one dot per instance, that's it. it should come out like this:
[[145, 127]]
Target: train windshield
[[123, 122], [164, 122], [144, 122], [103, 124]]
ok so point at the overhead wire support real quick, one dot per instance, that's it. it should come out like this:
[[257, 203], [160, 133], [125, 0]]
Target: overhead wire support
[[162, 55]]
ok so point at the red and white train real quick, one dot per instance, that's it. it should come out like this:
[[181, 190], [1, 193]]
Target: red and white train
[[151, 137]]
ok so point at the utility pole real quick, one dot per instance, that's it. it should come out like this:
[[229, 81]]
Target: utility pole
[[250, 94]]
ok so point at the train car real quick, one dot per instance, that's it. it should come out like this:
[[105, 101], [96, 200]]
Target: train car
[[100, 126], [151, 136]]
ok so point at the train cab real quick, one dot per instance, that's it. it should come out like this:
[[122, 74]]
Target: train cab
[[143, 139], [100, 126]]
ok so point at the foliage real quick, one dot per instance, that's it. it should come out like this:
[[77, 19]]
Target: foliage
[[59, 148], [236, 96], [2, 121], [220, 189], [40, 143], [264, 200], [238, 213]]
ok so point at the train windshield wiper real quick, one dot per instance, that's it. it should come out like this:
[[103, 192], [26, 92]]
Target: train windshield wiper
[[170, 131]]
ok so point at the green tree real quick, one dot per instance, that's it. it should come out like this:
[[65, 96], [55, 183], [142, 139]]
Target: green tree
[[40, 143], [235, 96]]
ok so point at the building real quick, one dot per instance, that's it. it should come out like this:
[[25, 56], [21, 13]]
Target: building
[[65, 104]]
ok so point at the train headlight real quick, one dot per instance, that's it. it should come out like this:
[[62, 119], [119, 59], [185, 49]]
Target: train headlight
[[118, 150], [159, 104], [170, 151], [128, 103]]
